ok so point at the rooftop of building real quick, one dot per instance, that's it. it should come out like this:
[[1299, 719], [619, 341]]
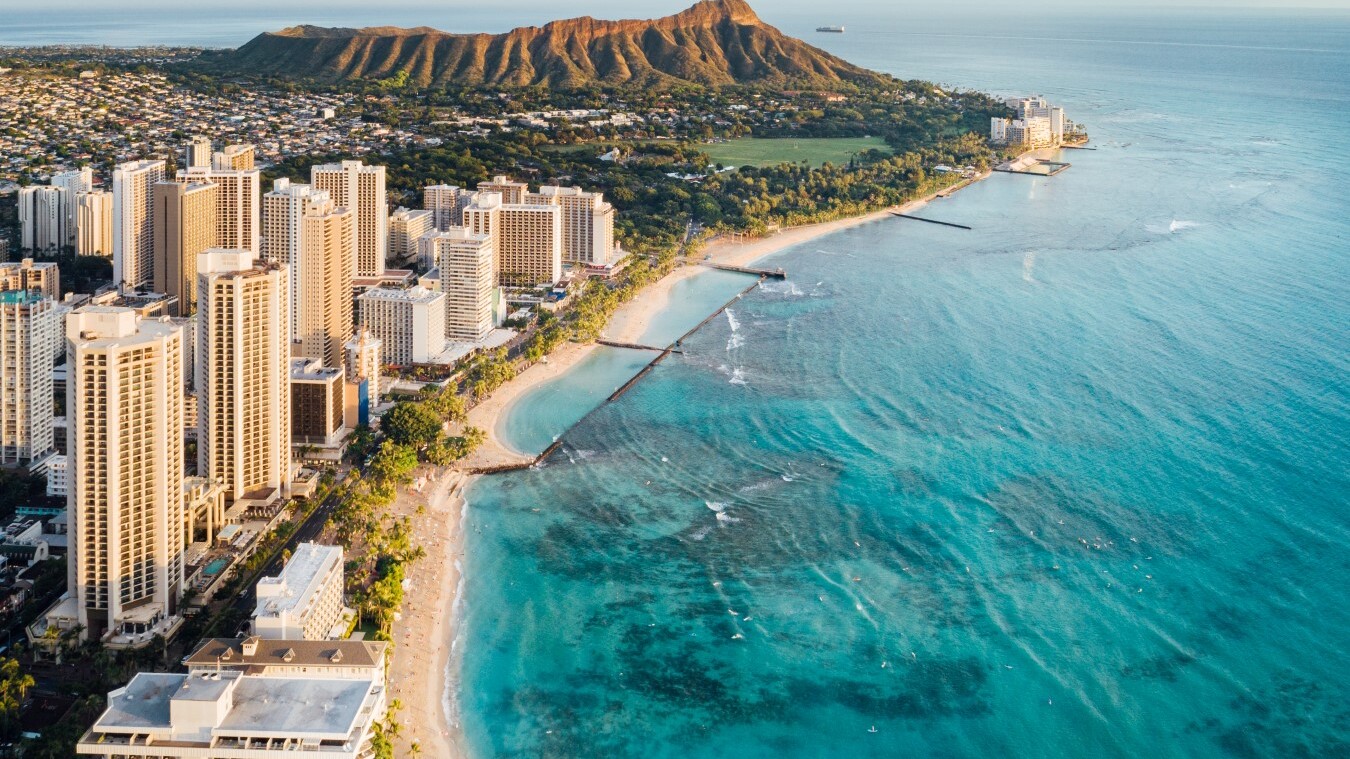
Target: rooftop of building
[[416, 294], [302, 573], [312, 370], [259, 706], [231, 652]]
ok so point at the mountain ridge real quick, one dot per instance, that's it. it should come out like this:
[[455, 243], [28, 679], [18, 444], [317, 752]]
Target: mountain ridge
[[713, 43]]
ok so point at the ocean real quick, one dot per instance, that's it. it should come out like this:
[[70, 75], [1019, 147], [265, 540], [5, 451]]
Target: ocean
[[1070, 484]]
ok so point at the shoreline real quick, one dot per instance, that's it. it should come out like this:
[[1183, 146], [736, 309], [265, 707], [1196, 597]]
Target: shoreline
[[428, 718], [420, 670]]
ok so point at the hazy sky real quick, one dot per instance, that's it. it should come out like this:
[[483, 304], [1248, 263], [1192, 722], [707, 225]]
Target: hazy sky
[[617, 8]]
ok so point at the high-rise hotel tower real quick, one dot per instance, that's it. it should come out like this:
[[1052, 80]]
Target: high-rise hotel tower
[[243, 375], [360, 188], [124, 402]]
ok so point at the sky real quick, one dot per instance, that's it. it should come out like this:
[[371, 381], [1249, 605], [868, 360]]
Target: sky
[[618, 8]]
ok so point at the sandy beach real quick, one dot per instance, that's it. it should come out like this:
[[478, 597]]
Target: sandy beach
[[419, 675], [423, 655]]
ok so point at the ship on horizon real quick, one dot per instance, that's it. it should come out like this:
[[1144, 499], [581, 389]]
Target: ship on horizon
[[833, 29]]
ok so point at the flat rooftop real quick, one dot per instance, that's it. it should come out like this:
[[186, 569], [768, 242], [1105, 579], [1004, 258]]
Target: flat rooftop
[[298, 579], [262, 707]]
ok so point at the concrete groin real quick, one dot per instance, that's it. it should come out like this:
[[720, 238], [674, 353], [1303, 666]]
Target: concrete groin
[[930, 221]]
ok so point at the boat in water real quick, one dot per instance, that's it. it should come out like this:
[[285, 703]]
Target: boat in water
[[832, 29]]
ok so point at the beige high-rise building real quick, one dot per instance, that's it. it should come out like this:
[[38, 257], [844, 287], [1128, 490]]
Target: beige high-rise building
[[360, 188], [243, 375], [185, 227], [124, 404], [467, 265], [133, 223], [324, 301], [30, 338], [530, 243], [94, 224], [238, 210], [513, 193], [587, 223], [483, 216], [446, 203], [43, 276], [234, 158], [197, 153], [283, 213], [406, 227]]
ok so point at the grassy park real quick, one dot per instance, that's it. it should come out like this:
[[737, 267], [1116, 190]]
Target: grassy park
[[760, 151]]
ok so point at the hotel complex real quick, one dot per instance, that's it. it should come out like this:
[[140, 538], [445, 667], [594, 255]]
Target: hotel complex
[[1036, 125], [360, 188], [124, 402], [243, 376]]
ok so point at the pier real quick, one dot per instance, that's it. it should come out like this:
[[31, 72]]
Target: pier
[[767, 273], [631, 346], [930, 221]]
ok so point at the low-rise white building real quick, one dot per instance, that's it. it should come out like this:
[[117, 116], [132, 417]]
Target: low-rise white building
[[304, 602], [228, 713], [58, 476]]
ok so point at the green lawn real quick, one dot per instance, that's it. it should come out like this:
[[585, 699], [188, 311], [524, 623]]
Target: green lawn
[[758, 151]]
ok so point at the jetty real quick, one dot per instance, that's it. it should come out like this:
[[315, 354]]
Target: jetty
[[930, 221], [630, 346], [778, 273]]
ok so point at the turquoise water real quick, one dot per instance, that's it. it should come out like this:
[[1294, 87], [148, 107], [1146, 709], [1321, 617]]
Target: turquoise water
[[538, 417], [1070, 484], [215, 567]]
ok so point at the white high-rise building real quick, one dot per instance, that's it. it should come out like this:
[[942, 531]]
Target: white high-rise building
[[133, 223], [94, 224], [410, 324], [124, 406], [304, 602], [197, 153], [587, 223], [406, 227], [360, 188], [238, 210], [243, 375], [30, 340], [467, 265], [42, 219], [71, 184], [446, 203]]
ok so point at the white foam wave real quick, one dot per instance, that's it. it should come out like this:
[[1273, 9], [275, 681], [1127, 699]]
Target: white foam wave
[[701, 533], [735, 341], [738, 377], [731, 320], [725, 518], [1028, 266], [717, 506], [786, 478], [1172, 227]]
